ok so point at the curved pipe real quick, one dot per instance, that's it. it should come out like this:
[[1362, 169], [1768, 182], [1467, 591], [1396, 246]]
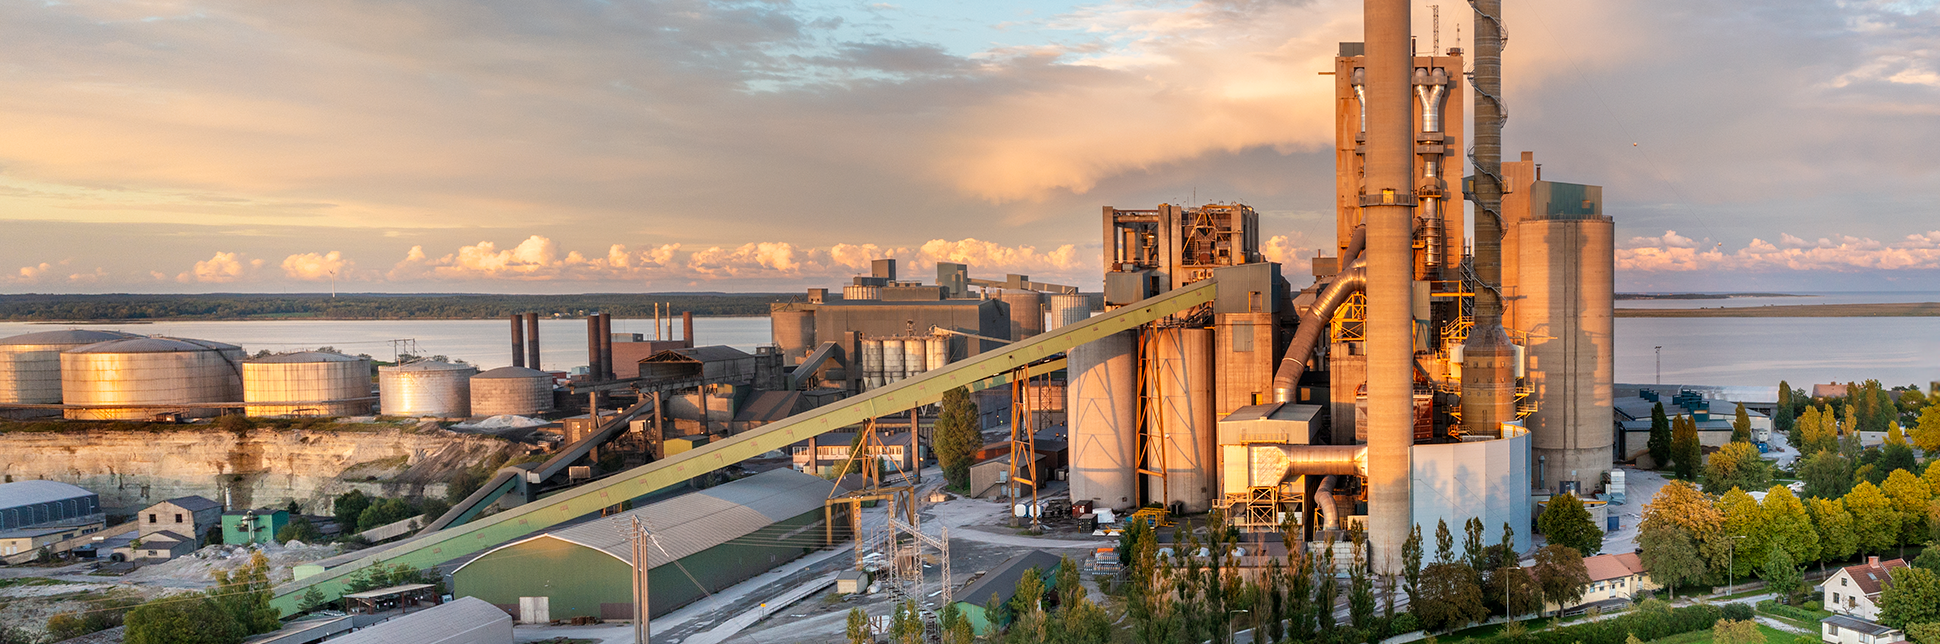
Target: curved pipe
[[1359, 81], [1328, 460], [1324, 501], [1294, 362]]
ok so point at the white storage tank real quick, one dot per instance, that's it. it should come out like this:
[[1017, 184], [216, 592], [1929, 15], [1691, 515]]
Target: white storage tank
[[30, 365], [871, 364], [513, 391], [916, 355], [892, 361], [939, 351], [319, 383], [158, 374], [428, 388]]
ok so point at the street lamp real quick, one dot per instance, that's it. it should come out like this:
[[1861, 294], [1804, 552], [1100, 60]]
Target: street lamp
[[1229, 622], [1731, 567]]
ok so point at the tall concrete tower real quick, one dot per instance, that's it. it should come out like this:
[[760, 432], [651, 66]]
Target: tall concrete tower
[[1488, 385], [1388, 210]]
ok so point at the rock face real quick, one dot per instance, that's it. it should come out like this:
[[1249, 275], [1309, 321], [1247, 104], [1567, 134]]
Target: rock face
[[132, 469]]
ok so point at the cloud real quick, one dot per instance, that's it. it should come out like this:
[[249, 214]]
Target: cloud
[[221, 268], [314, 267], [1674, 253]]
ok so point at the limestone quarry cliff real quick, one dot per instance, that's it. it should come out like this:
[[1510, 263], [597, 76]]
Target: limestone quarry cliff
[[255, 468]]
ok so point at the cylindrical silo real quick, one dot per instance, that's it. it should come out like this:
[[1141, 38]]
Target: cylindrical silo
[[1026, 312], [316, 383], [165, 373], [794, 333], [428, 388], [916, 357], [30, 365], [1102, 407], [871, 363], [892, 361], [1566, 282], [1068, 308], [1182, 363], [511, 391], [857, 293], [938, 348]]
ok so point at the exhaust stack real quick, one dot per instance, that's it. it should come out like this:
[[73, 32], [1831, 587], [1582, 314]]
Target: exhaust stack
[[1388, 210], [1488, 385]]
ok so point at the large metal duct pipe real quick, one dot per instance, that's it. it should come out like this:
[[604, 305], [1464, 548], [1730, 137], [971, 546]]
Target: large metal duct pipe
[[518, 340], [1324, 501], [532, 341], [1294, 362], [1432, 90], [1343, 460], [1488, 385], [1312, 325], [1359, 82], [1388, 209]]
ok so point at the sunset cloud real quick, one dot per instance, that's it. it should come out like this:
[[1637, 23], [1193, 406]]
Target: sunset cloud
[[222, 268], [314, 267], [1675, 253]]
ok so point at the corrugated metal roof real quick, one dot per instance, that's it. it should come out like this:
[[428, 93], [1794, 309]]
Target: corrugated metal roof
[[153, 345], [19, 493], [511, 373], [305, 357], [1849, 622], [436, 624], [68, 336], [696, 521], [193, 503], [1002, 580], [699, 354]]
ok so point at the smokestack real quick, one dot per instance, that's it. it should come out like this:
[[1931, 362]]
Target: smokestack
[[1388, 211], [532, 341], [687, 328], [518, 340], [593, 370], [606, 345], [1488, 384]]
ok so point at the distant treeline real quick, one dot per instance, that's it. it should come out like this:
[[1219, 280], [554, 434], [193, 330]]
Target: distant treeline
[[1698, 296], [368, 306]]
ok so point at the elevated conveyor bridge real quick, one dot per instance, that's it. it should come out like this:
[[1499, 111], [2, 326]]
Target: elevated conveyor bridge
[[480, 533]]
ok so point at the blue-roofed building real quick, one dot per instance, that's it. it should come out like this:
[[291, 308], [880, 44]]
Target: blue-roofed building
[[26, 504]]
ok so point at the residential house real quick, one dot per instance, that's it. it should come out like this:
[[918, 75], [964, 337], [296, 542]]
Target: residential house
[[1842, 629], [1615, 580], [161, 545], [1854, 590]]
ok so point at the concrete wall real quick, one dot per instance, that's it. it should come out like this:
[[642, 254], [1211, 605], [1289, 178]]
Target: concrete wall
[[1482, 479], [988, 318]]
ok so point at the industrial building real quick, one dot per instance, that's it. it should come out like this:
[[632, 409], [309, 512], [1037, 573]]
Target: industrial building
[[38, 514], [715, 537], [253, 526]]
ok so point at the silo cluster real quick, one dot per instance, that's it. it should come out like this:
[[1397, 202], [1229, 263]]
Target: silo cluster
[[30, 365], [427, 388], [511, 391], [1068, 309], [1026, 312], [887, 360], [150, 373], [312, 383]]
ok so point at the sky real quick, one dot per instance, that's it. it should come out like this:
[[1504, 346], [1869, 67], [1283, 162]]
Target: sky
[[681, 145]]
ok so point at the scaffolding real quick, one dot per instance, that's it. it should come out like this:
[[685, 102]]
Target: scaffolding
[[1023, 445], [868, 445]]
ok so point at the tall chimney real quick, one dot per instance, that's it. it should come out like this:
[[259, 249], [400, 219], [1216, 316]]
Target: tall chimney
[[1488, 385], [1388, 211], [518, 340], [532, 341], [594, 371], [606, 345], [687, 328]]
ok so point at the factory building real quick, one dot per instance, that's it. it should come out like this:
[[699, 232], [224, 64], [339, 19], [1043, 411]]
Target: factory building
[[715, 538], [26, 504]]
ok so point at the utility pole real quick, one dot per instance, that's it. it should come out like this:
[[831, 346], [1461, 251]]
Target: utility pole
[[638, 536], [1660, 364]]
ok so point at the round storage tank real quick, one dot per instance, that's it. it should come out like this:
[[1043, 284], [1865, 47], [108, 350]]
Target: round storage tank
[[156, 375], [428, 388], [892, 361], [794, 332], [1026, 312], [1067, 309], [916, 356], [30, 365], [871, 364], [316, 383], [511, 391], [1102, 408], [938, 348], [1182, 359]]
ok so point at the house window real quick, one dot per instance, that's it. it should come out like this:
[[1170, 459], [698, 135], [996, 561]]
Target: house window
[[1842, 582], [152, 519], [178, 517], [1832, 629], [1835, 598]]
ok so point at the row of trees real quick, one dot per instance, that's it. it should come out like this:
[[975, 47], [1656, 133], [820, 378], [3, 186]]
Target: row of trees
[[372, 307], [236, 608]]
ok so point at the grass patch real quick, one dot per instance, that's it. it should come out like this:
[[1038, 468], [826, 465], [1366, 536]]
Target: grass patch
[[1772, 636], [28, 581]]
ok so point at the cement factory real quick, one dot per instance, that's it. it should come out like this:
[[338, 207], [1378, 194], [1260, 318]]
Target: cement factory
[[1417, 374]]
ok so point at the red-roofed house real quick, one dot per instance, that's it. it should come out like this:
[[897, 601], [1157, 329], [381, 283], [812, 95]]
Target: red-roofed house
[[1854, 590], [1614, 579]]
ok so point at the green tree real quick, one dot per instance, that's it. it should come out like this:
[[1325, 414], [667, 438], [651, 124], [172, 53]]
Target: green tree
[[1745, 528], [1360, 585], [1837, 539], [1909, 497], [1789, 526], [1686, 452], [1875, 523], [1669, 553], [245, 596], [1452, 598], [1472, 545], [906, 624], [956, 629], [1928, 633], [858, 627], [1736, 465], [1785, 412], [1826, 474], [181, 619], [1660, 437], [299, 529], [312, 599], [1912, 598], [1741, 426], [1736, 631], [1781, 575], [384, 512], [1560, 573], [1444, 543], [1567, 523], [958, 438], [348, 507], [1411, 566]]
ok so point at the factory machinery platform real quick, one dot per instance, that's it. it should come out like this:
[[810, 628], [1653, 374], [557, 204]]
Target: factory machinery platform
[[461, 538]]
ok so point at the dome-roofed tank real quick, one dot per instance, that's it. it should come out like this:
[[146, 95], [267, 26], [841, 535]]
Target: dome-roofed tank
[[321, 383], [30, 365], [427, 388], [515, 391], [152, 374]]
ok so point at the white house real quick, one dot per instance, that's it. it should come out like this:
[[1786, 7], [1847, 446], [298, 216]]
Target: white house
[[1615, 580], [1841, 629], [1854, 590]]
